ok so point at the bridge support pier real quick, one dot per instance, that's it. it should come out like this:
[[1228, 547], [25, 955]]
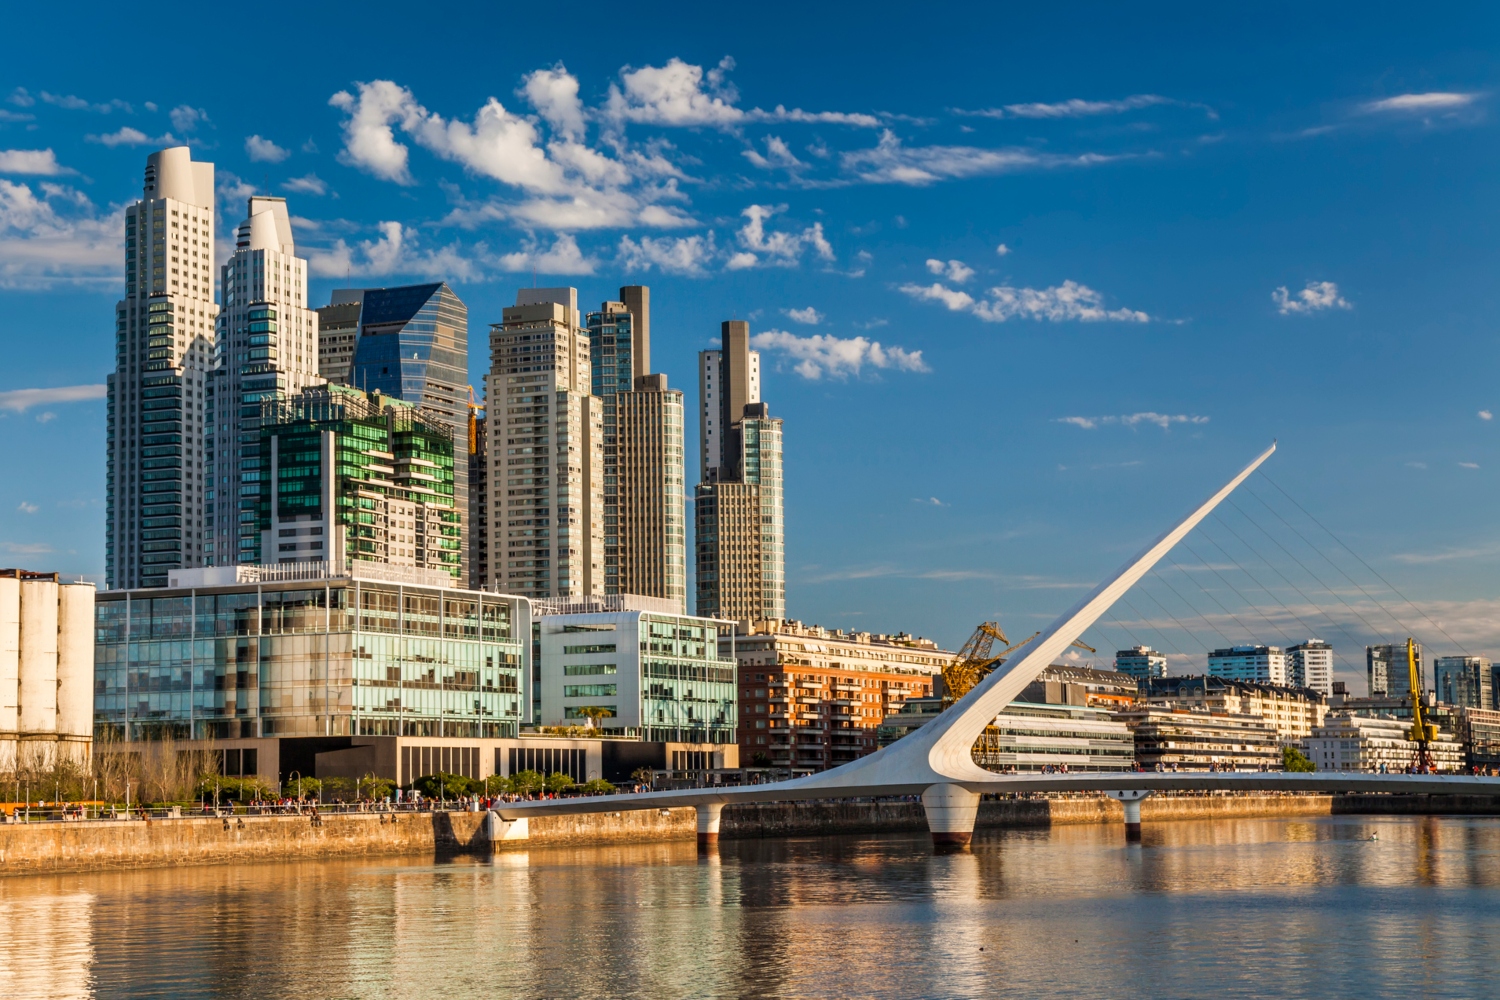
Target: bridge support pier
[[1131, 800], [951, 810], [708, 825]]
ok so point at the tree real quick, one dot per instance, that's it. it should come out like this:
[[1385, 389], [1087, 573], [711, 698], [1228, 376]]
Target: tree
[[643, 776], [444, 785], [598, 786], [596, 714], [528, 782], [302, 788], [1293, 759], [759, 759], [374, 788], [498, 784], [558, 782]]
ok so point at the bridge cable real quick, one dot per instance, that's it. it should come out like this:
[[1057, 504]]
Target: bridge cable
[[1195, 610], [1155, 628], [1242, 597], [1367, 566], [1209, 594], [1289, 611]]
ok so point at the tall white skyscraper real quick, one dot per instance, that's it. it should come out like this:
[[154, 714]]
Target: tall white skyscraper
[[545, 437], [156, 471], [266, 349]]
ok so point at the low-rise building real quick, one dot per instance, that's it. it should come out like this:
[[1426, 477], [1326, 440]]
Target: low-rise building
[[812, 698], [1182, 739], [1350, 742], [1028, 737], [1292, 712]]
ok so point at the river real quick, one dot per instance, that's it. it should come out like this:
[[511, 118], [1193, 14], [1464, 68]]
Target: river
[[1242, 908]]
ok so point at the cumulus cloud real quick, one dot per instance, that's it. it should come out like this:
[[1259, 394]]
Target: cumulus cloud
[[563, 257], [21, 400], [54, 234], [823, 354], [263, 150], [1486, 415], [128, 136], [1069, 301], [397, 252], [1316, 297], [38, 162], [686, 255], [808, 316], [311, 184], [892, 162], [1133, 420], [955, 271], [779, 248], [1431, 101], [186, 118], [778, 155], [681, 94], [1002, 250], [554, 93]]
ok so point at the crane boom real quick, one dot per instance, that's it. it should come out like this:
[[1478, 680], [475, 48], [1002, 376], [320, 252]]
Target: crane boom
[[1422, 733]]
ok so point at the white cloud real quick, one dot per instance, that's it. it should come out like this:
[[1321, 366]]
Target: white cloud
[[73, 103], [311, 184], [27, 548], [1058, 304], [264, 150], [1317, 296], [808, 316], [38, 162], [57, 237], [27, 508], [675, 94], [1077, 108], [955, 271], [186, 118], [688, 255], [128, 136], [397, 252], [369, 142], [891, 162], [21, 98], [563, 257], [21, 400], [783, 249], [1431, 101], [1002, 250], [823, 354], [554, 93], [778, 154], [1486, 415], [1133, 420], [1468, 465]]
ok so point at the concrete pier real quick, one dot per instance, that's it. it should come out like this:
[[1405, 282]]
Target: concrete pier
[[708, 825], [951, 811], [1131, 800]]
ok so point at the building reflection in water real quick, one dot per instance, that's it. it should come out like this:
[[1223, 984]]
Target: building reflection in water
[[1299, 907]]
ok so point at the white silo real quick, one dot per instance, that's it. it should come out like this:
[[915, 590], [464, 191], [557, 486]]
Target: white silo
[[38, 687], [10, 667], [75, 670]]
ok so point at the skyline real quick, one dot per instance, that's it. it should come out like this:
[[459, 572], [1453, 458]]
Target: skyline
[[1170, 217]]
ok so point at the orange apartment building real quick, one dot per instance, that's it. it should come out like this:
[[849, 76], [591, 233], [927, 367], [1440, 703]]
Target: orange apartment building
[[811, 698]]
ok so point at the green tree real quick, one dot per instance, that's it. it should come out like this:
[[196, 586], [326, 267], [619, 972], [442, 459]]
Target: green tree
[[302, 788], [1293, 759], [642, 775], [498, 784], [598, 786], [375, 789], [444, 785], [528, 782], [558, 782], [596, 714]]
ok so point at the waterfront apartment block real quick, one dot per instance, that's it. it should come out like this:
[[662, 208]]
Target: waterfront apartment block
[[636, 667], [1350, 742], [1256, 664], [46, 670], [266, 350], [1293, 712], [1030, 737], [728, 381], [271, 653], [1181, 739], [1463, 681], [812, 698], [546, 451], [1141, 662], [353, 475], [1389, 673], [1310, 665], [478, 520], [1478, 732], [157, 470], [741, 528]]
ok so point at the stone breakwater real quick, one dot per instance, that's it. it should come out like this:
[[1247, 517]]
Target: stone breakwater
[[90, 846]]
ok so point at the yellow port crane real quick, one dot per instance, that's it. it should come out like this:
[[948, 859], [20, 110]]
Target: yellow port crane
[[977, 658], [474, 408], [1422, 732]]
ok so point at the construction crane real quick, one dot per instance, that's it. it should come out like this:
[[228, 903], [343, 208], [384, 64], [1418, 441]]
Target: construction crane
[[474, 408], [1422, 733], [977, 658]]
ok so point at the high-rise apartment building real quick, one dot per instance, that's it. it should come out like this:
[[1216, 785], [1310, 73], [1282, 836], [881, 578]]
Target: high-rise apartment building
[[1389, 673], [1256, 664], [739, 521], [478, 523], [156, 468], [546, 451], [350, 475], [619, 353], [1310, 664], [266, 350], [338, 329], [1141, 662], [1463, 681]]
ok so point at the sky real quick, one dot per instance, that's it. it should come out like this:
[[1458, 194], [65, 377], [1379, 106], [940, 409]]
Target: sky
[[1029, 281]]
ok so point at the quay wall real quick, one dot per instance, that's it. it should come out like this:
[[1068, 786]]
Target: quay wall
[[96, 845]]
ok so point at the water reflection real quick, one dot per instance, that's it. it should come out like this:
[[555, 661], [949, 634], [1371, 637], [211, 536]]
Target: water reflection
[[1233, 908]]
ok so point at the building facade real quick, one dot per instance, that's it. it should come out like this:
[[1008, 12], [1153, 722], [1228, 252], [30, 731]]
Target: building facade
[[338, 329], [350, 475], [1370, 744], [1310, 665], [1292, 712], [157, 470], [1066, 684], [266, 350], [620, 352], [479, 501], [1389, 673], [651, 515], [1141, 662], [1028, 737], [812, 698], [46, 671], [1256, 664], [546, 451], [1180, 739], [636, 667], [740, 528], [1478, 732], [1463, 681]]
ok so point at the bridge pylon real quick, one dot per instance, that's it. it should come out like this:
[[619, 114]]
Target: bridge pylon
[[951, 811], [1131, 799]]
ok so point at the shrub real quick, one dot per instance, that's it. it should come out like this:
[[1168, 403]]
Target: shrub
[[301, 788]]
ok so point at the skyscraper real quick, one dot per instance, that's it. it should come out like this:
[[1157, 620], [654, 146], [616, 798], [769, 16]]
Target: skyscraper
[[1310, 664], [619, 353], [266, 349], [1388, 671], [156, 469], [546, 451], [477, 526], [1463, 680], [409, 343], [739, 505]]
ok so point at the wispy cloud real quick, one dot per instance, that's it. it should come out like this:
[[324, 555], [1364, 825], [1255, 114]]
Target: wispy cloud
[[128, 136], [1074, 108], [1447, 555], [1468, 465], [808, 316], [779, 248], [1430, 101], [186, 118], [74, 103], [892, 162], [1133, 420], [310, 184], [1069, 301], [824, 354], [27, 548], [27, 508], [21, 400], [1316, 297]]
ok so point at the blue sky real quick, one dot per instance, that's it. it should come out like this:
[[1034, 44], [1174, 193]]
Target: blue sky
[[1028, 281]]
